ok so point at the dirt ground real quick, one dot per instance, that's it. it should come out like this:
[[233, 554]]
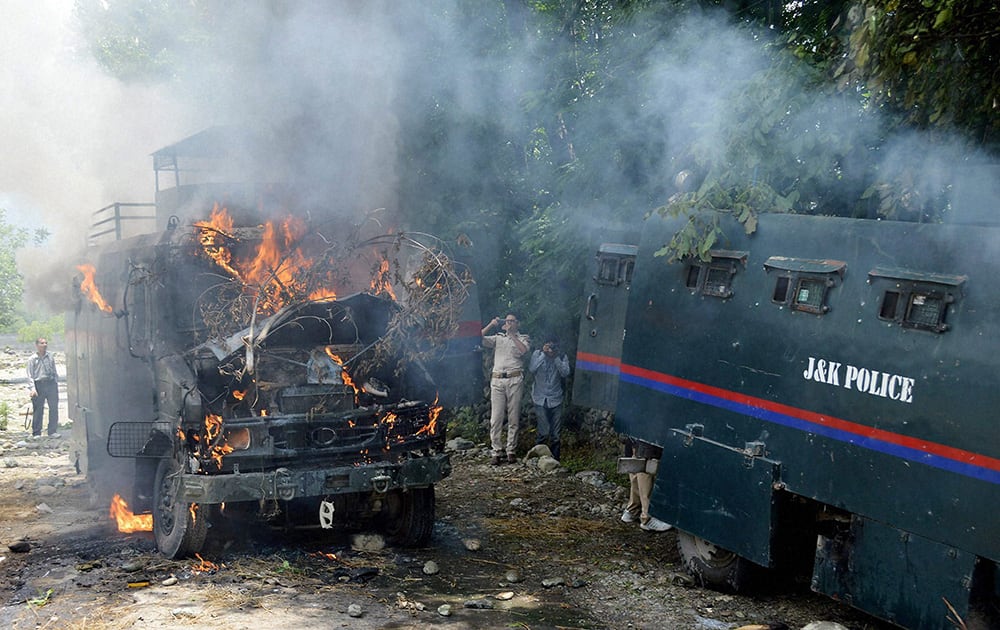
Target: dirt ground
[[513, 547]]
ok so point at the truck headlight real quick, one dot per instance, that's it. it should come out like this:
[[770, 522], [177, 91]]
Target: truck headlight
[[238, 439]]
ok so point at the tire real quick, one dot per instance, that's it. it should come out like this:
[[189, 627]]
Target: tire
[[409, 517], [177, 531], [714, 566]]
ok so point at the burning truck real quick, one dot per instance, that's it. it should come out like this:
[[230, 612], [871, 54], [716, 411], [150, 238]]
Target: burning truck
[[267, 371]]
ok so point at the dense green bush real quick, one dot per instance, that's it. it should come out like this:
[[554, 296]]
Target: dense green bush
[[471, 422]]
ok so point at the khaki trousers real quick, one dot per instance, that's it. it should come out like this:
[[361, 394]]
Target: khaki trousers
[[505, 401], [640, 487]]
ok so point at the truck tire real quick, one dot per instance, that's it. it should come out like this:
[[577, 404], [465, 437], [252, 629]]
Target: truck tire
[[714, 566], [409, 517], [177, 531]]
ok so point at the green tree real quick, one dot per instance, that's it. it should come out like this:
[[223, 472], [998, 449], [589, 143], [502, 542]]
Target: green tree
[[931, 64], [12, 238]]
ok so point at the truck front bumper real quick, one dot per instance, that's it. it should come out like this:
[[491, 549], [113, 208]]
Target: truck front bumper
[[296, 483]]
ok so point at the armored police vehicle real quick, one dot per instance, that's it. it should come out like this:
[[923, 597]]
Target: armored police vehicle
[[241, 363], [824, 393]]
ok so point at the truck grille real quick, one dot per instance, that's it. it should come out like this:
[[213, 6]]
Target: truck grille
[[372, 431]]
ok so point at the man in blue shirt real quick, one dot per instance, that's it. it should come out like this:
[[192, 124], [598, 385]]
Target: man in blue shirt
[[549, 368]]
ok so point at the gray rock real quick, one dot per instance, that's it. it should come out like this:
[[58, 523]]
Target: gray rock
[[367, 542], [431, 568], [444, 610], [505, 596], [45, 509], [591, 477], [513, 576], [548, 464], [10, 462], [354, 610], [479, 604], [538, 450], [45, 491], [707, 623], [824, 625], [554, 581], [472, 544], [190, 613], [459, 444], [170, 581]]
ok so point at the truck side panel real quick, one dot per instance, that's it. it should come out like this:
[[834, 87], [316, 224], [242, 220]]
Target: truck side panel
[[854, 354], [98, 341]]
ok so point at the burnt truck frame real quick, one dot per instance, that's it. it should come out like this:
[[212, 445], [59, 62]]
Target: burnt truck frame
[[259, 424], [824, 394]]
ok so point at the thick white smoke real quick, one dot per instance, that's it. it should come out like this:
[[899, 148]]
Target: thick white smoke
[[73, 138]]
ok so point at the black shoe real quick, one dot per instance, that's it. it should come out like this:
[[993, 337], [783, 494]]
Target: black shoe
[[496, 461]]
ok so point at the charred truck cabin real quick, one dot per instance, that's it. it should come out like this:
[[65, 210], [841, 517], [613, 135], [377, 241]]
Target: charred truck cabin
[[825, 395], [247, 363]]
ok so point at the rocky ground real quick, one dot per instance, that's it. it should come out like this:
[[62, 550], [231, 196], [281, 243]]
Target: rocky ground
[[513, 547]]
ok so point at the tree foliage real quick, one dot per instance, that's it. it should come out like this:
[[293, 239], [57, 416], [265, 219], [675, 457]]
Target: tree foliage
[[12, 238], [932, 64]]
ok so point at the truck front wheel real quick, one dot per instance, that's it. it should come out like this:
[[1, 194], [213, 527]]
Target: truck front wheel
[[178, 527], [714, 566], [409, 517]]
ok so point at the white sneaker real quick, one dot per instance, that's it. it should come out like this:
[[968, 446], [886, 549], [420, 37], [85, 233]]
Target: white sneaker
[[655, 525], [628, 517]]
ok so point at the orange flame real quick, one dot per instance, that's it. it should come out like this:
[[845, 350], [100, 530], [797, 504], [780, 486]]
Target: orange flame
[[213, 238], [89, 288], [127, 521], [431, 427], [277, 259], [380, 281], [343, 372], [323, 294], [390, 418], [204, 566], [213, 427], [239, 395], [276, 269], [328, 556]]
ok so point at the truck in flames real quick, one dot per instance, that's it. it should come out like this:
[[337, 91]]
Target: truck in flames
[[266, 372]]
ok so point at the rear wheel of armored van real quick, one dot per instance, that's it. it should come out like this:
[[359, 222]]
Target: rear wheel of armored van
[[409, 517], [714, 566], [179, 529]]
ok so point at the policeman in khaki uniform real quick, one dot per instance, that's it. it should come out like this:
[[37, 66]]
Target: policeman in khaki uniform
[[506, 384]]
